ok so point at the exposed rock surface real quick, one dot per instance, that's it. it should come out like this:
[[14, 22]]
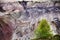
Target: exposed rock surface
[[26, 20]]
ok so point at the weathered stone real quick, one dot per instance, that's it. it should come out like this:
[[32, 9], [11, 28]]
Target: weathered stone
[[26, 20], [6, 30]]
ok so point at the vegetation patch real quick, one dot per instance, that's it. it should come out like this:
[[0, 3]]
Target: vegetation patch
[[43, 32]]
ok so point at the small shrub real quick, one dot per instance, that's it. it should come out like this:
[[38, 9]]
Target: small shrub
[[43, 30]]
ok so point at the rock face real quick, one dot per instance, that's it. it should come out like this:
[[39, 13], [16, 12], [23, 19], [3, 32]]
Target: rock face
[[6, 30], [26, 20]]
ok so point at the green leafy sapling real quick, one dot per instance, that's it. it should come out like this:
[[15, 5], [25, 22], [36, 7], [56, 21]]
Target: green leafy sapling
[[43, 30]]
